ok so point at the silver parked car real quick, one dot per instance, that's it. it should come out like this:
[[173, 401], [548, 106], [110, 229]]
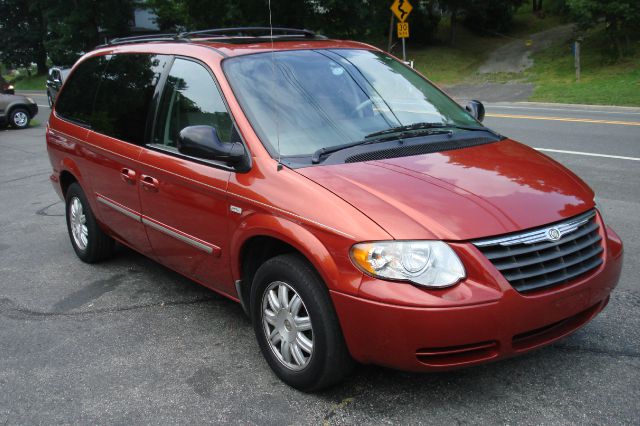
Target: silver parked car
[[17, 111]]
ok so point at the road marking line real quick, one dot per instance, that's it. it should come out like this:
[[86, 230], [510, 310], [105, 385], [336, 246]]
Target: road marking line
[[589, 154], [584, 111], [572, 120]]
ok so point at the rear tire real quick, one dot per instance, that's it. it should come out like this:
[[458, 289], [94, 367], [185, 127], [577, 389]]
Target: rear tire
[[89, 242], [296, 325], [19, 118]]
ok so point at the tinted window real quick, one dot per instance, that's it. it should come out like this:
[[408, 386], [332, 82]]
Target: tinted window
[[125, 94], [75, 102], [190, 98]]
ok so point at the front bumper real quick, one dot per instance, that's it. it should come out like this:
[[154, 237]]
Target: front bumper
[[494, 322], [33, 110]]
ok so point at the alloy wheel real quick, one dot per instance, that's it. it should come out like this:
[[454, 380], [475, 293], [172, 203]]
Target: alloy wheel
[[20, 119], [287, 325], [78, 222]]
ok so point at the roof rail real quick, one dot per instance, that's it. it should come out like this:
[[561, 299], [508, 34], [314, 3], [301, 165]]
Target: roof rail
[[238, 34], [249, 32], [147, 38]]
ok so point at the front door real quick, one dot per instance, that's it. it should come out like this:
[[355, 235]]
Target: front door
[[184, 202]]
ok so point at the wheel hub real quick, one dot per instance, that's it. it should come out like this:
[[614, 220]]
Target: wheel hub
[[78, 224], [20, 119], [287, 325]]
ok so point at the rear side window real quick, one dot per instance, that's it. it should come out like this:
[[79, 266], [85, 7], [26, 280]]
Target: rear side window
[[124, 95], [75, 103], [190, 98]]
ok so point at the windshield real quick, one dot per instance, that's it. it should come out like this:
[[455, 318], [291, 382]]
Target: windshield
[[301, 101]]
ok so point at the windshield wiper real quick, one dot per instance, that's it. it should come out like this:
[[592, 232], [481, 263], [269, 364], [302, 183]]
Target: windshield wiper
[[419, 126], [383, 136], [400, 132], [315, 158]]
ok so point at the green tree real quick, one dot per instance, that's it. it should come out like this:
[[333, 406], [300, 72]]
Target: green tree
[[455, 8], [23, 31], [203, 14], [363, 19], [77, 26], [495, 16], [620, 19], [489, 16]]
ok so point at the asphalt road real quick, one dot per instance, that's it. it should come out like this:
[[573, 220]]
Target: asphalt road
[[130, 342]]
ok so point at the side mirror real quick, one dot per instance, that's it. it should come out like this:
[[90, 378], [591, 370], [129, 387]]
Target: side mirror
[[476, 109], [203, 142]]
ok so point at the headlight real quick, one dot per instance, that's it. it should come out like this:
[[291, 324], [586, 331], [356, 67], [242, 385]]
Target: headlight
[[30, 100], [10, 87], [427, 263]]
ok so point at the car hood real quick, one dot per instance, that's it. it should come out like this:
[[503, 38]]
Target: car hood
[[462, 194]]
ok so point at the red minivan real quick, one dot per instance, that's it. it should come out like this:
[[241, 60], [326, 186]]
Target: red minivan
[[353, 209]]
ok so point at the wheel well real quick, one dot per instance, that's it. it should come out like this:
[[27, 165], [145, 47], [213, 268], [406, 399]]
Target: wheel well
[[66, 179], [254, 252], [13, 108]]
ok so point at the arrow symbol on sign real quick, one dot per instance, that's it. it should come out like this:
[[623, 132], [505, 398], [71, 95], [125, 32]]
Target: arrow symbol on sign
[[401, 8]]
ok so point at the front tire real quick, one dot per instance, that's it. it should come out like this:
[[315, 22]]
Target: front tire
[[20, 118], [89, 242], [296, 325]]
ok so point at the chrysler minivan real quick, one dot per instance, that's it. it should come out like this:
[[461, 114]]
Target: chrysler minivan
[[354, 210]]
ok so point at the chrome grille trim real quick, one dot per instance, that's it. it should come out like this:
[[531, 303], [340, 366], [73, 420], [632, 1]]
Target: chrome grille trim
[[540, 234], [530, 262]]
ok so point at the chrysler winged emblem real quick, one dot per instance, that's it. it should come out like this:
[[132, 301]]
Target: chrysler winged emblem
[[553, 234]]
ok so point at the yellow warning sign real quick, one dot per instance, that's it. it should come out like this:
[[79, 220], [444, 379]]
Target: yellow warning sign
[[403, 30], [402, 9]]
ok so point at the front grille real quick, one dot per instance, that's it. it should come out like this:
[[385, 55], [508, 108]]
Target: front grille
[[532, 260]]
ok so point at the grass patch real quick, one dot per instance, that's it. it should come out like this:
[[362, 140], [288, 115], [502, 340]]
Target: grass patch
[[444, 63], [23, 82], [603, 81], [450, 64]]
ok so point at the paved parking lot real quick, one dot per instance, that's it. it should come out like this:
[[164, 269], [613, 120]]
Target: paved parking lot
[[129, 341]]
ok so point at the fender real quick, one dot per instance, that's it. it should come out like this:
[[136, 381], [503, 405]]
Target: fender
[[69, 165], [292, 233]]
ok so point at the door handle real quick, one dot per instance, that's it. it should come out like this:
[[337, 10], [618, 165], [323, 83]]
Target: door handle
[[128, 176], [149, 183]]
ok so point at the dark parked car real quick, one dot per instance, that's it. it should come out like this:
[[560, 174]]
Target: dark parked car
[[54, 82], [17, 110], [6, 87]]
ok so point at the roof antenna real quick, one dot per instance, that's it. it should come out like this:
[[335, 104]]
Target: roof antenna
[[273, 69]]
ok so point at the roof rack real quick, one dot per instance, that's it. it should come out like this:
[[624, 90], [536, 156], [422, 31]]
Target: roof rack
[[147, 38], [237, 34], [250, 32]]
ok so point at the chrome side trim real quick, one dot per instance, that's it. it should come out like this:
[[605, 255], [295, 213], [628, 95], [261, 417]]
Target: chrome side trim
[[118, 208], [540, 234], [183, 238]]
